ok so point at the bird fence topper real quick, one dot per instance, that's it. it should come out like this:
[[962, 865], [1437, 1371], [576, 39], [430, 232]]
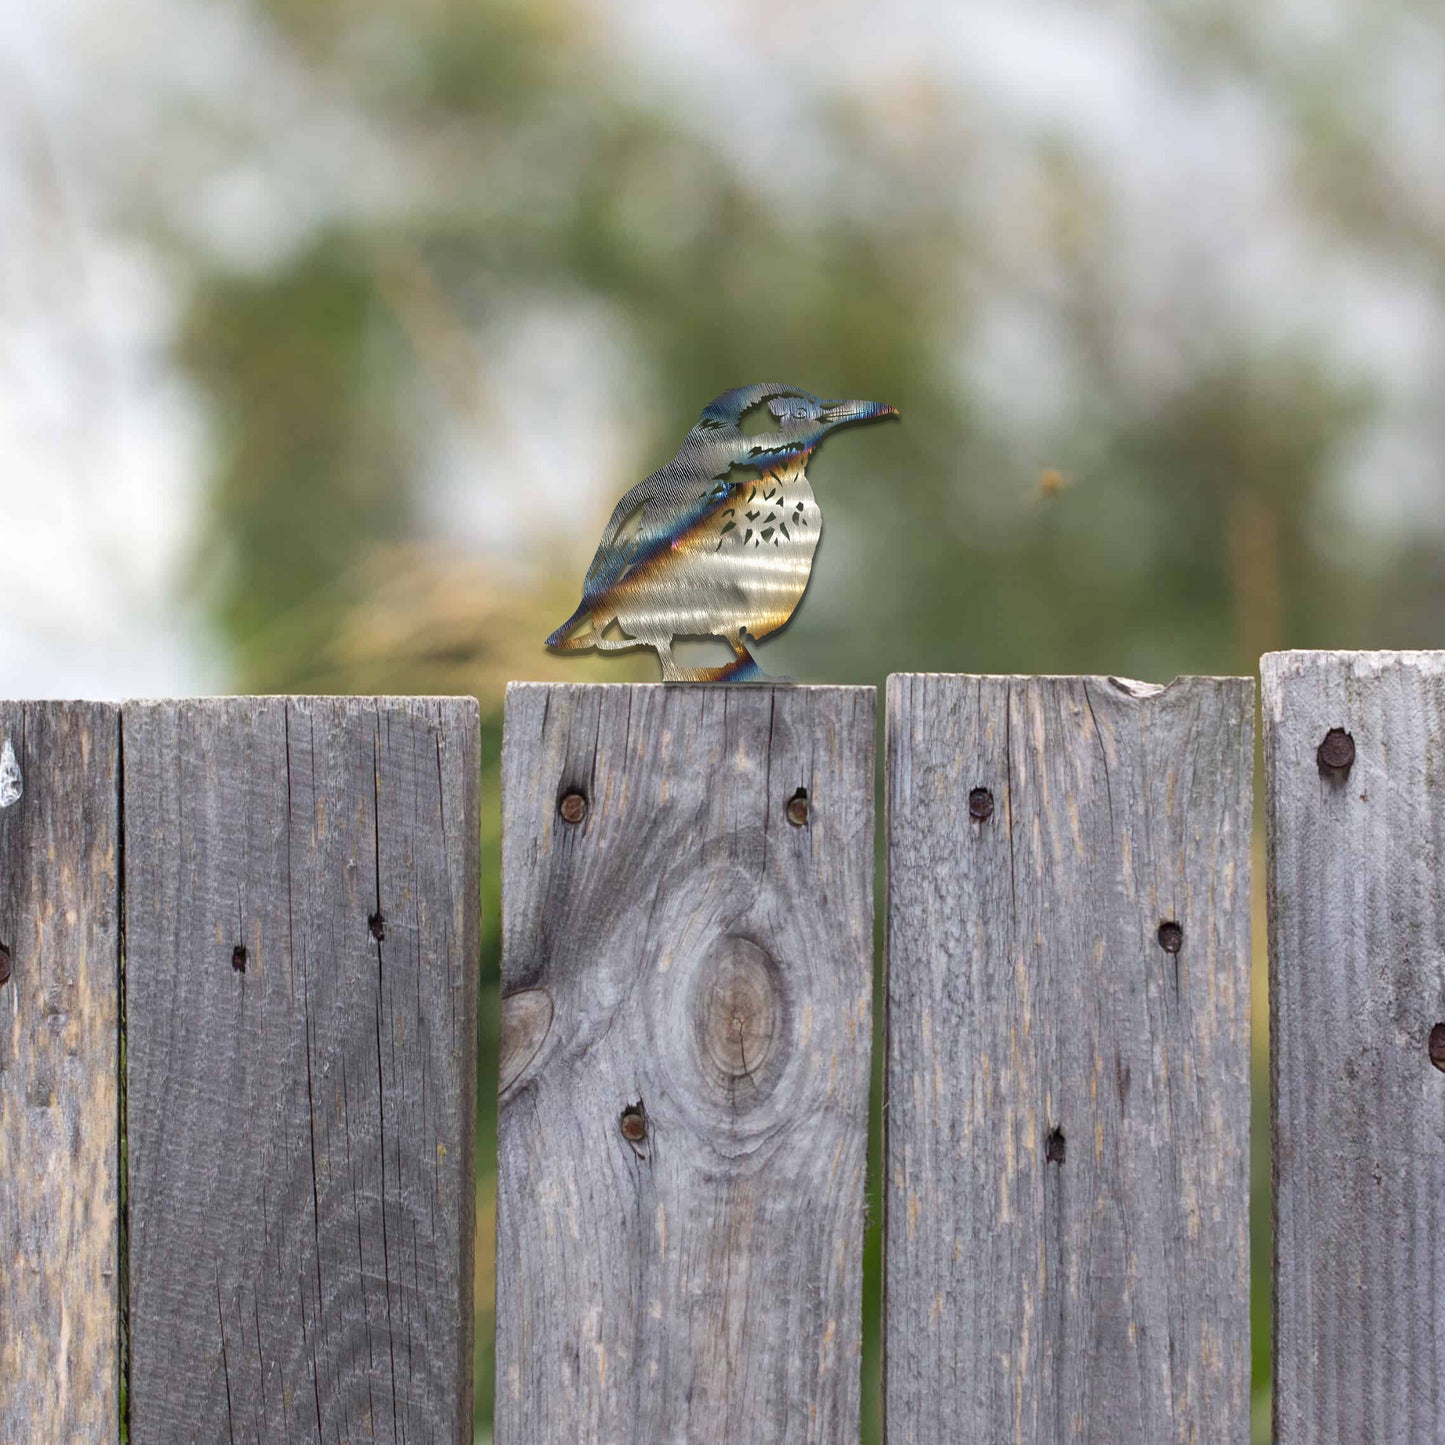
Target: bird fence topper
[[718, 543]]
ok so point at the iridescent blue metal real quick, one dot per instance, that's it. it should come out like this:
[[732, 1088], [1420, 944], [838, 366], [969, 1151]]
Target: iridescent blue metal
[[720, 541]]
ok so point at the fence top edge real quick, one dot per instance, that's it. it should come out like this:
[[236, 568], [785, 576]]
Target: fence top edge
[[1364, 660], [776, 685], [357, 699], [1281, 671], [100, 706], [1124, 686]]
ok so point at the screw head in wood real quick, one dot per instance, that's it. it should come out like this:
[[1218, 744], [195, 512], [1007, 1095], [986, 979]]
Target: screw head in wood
[[4, 965], [1171, 936], [1437, 1046], [980, 805], [573, 808], [797, 809], [633, 1123], [1336, 754]]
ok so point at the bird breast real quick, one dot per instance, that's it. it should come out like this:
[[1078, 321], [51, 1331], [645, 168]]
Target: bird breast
[[744, 563]]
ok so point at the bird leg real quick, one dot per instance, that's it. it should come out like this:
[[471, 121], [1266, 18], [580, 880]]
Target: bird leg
[[742, 668], [734, 638], [671, 672]]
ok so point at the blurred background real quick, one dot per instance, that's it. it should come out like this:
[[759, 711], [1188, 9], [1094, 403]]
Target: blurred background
[[330, 331]]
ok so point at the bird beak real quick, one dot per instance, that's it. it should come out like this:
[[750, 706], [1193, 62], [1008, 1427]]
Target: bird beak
[[837, 413]]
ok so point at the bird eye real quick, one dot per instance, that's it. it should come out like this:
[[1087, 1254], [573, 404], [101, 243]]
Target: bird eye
[[800, 412]]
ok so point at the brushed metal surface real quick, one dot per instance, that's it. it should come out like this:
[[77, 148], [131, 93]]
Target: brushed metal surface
[[720, 541]]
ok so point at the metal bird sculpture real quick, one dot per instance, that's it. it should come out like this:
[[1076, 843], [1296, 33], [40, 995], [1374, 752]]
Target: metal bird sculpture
[[719, 542]]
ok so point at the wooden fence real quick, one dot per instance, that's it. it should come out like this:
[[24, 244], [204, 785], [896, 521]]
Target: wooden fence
[[238, 1004]]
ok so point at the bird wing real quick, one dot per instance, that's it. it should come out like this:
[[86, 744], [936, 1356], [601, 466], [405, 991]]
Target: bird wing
[[664, 506], [609, 563], [677, 495], [614, 553]]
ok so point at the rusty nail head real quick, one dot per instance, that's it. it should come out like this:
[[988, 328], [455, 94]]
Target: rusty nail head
[[1171, 937], [573, 808], [4, 965], [634, 1124], [798, 808], [1337, 753], [980, 805], [1437, 1047]]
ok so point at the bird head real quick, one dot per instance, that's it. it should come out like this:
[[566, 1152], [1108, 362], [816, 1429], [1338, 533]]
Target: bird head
[[801, 419]]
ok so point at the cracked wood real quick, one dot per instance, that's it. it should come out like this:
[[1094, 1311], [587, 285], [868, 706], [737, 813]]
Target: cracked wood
[[1357, 986], [301, 988], [683, 1128], [59, 1078], [1067, 1095]]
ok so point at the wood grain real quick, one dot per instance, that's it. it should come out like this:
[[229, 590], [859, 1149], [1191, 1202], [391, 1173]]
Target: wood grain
[[1357, 983], [59, 1076], [301, 976], [1068, 1102], [686, 1041]]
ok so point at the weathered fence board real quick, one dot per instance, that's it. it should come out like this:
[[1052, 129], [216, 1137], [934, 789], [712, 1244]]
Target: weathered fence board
[[59, 1076], [1355, 772], [301, 973], [687, 971], [1068, 1087]]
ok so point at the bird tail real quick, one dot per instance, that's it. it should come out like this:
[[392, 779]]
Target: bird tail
[[562, 640]]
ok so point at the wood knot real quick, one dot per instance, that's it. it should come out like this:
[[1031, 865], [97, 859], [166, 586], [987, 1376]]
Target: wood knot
[[737, 1011], [1436, 1046], [526, 1022]]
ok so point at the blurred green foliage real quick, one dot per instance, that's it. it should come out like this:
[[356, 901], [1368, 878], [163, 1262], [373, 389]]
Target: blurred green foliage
[[1162, 519]]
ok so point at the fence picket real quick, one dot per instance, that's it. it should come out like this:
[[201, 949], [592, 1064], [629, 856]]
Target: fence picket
[[301, 975], [1068, 1085], [687, 964], [59, 1076], [1355, 763]]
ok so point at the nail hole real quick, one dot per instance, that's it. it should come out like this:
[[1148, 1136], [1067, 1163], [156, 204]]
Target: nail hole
[[4, 964], [1336, 755], [980, 805], [573, 807], [1437, 1046], [1171, 937], [797, 809], [377, 926], [633, 1123], [239, 958], [1055, 1147]]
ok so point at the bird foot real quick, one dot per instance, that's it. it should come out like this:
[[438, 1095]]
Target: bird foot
[[740, 669]]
